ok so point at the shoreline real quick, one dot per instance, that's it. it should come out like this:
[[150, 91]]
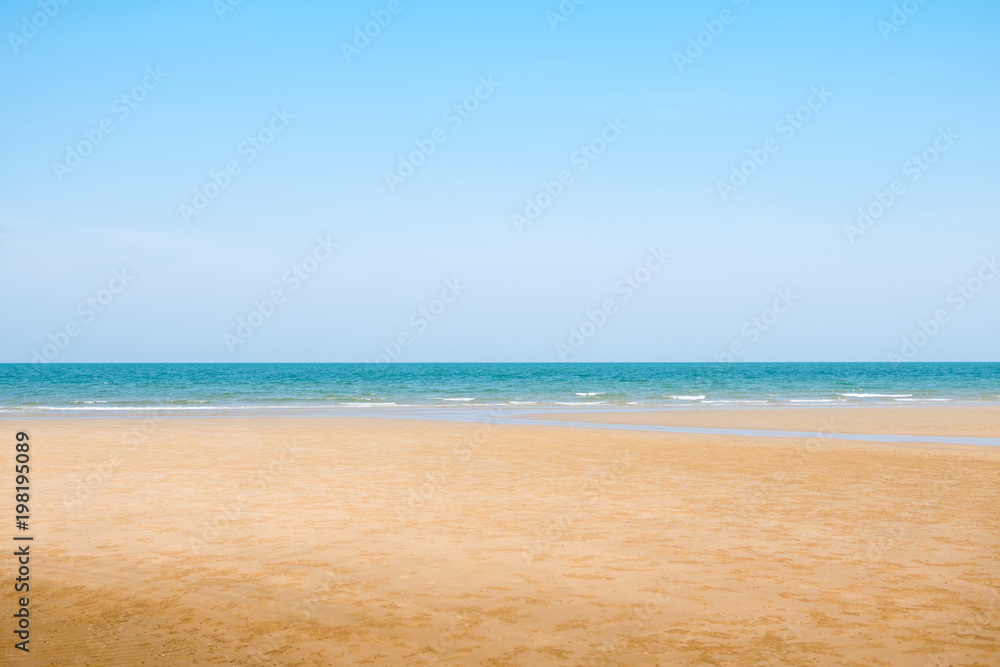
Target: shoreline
[[962, 425], [363, 408]]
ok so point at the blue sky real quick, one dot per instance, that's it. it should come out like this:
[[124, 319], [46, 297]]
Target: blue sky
[[555, 87]]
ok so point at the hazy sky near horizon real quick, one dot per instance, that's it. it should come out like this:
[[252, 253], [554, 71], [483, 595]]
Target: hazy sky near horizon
[[744, 157]]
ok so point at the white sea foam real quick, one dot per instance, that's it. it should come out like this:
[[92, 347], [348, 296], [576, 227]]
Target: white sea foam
[[877, 395], [583, 403], [193, 408], [462, 400], [811, 400], [590, 393], [147, 408], [369, 405], [923, 399], [700, 397]]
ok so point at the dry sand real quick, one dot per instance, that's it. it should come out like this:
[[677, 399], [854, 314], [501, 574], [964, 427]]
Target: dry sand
[[292, 541]]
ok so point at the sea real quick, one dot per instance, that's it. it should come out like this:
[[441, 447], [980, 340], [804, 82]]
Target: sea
[[99, 389]]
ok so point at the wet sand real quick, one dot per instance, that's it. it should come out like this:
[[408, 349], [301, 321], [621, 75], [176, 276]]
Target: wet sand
[[973, 421], [286, 541]]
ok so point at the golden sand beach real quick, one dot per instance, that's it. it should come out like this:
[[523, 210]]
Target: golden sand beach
[[336, 541]]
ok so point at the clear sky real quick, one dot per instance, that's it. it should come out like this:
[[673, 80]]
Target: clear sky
[[116, 117]]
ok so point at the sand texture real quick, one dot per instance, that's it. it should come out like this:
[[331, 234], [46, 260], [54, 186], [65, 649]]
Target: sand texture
[[288, 541]]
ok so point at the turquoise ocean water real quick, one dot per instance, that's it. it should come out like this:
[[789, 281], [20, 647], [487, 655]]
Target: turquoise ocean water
[[102, 388]]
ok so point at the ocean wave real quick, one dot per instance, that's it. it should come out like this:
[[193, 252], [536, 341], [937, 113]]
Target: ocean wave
[[923, 399], [522, 403], [461, 400], [369, 405], [810, 400], [146, 408], [590, 393], [583, 403], [876, 395], [191, 408], [700, 397]]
